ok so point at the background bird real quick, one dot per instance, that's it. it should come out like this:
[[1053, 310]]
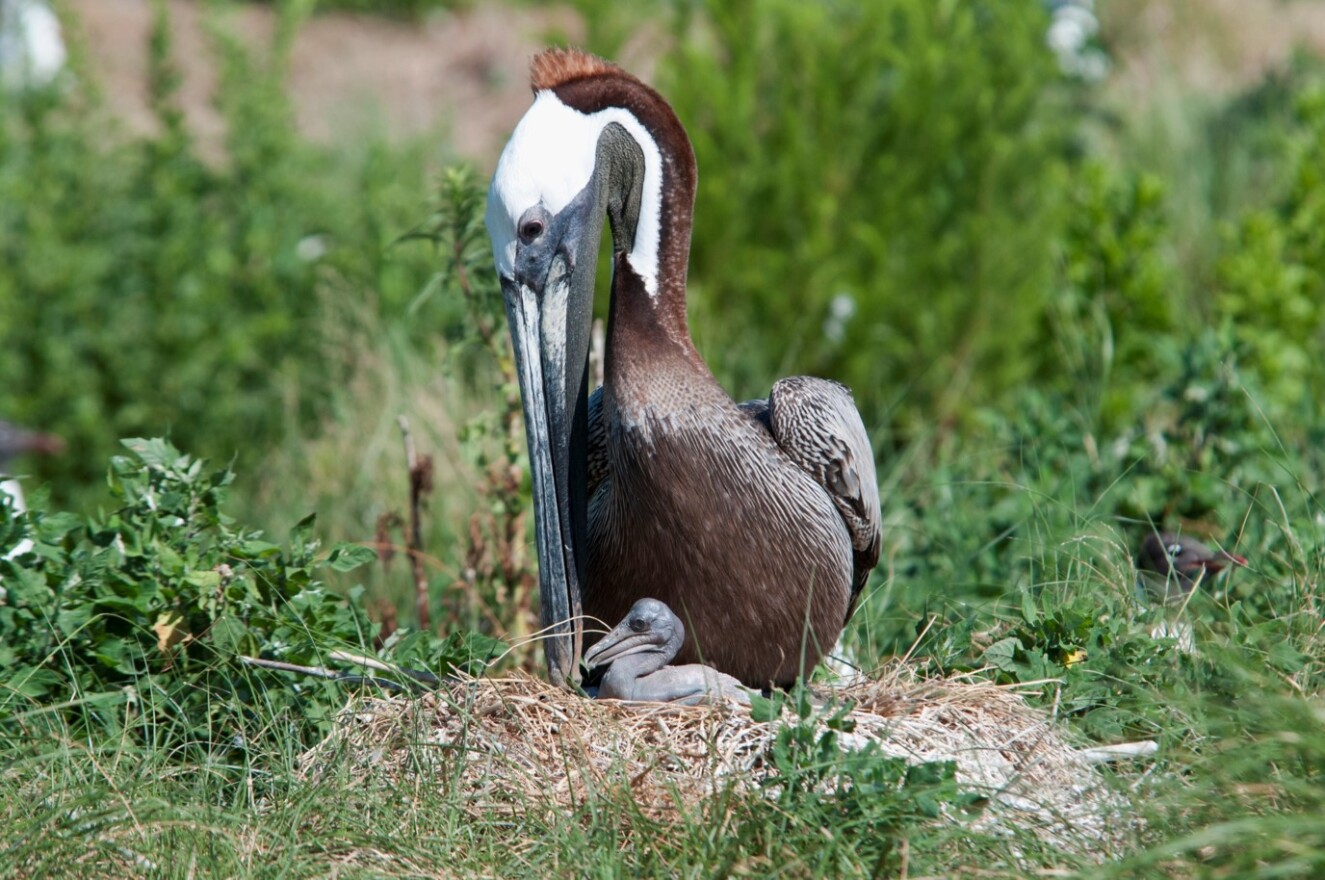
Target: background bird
[[1170, 565], [16, 441]]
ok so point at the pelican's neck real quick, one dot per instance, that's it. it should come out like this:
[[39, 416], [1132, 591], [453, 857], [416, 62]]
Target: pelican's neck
[[651, 207], [647, 316], [655, 289], [636, 666]]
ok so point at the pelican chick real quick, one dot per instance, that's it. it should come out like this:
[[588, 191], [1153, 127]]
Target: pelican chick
[[637, 652]]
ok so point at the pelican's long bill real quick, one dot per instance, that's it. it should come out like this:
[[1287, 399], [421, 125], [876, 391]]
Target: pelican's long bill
[[549, 306]]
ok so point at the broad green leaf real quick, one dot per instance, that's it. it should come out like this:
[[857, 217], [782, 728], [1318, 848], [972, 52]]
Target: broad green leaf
[[347, 557], [256, 549], [1002, 654], [154, 452]]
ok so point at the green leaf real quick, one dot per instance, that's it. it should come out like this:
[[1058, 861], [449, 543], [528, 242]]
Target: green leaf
[[303, 530], [258, 550], [1003, 654], [155, 452], [34, 682], [765, 710], [54, 526], [205, 581], [1029, 612], [347, 557]]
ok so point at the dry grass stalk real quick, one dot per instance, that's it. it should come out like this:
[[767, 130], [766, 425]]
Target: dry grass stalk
[[420, 486]]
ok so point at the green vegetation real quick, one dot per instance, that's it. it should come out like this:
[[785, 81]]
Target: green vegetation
[[1062, 324], [135, 621], [933, 179], [406, 9]]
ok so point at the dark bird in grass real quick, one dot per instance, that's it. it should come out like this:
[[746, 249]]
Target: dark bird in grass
[[16, 441], [758, 523], [1171, 565], [636, 654]]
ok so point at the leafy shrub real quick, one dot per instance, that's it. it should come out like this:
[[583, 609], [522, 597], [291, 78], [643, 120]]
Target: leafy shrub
[[135, 621], [1272, 277], [148, 288]]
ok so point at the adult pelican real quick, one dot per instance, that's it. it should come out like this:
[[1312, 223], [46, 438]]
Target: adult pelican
[[757, 523]]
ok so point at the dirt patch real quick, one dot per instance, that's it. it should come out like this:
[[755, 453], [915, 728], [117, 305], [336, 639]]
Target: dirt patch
[[460, 77], [1213, 46]]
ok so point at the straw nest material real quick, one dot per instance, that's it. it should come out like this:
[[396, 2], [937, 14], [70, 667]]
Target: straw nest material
[[516, 743]]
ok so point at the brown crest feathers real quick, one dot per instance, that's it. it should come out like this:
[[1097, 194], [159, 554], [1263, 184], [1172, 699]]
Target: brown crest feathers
[[553, 67]]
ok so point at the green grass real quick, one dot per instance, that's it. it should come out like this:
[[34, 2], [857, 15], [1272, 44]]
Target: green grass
[[991, 542], [145, 820]]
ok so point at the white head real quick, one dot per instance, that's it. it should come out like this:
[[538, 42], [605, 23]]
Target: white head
[[550, 159]]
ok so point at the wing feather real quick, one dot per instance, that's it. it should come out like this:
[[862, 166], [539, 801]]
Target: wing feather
[[816, 423], [597, 441]]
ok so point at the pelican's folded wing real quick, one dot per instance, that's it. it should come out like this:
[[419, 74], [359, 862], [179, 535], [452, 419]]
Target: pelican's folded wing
[[816, 423]]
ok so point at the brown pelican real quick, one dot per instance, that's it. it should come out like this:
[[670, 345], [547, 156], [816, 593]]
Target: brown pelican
[[636, 655], [758, 523], [1170, 565]]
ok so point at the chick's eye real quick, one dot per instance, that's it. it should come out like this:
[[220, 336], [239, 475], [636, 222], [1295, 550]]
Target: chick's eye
[[1175, 550], [638, 624]]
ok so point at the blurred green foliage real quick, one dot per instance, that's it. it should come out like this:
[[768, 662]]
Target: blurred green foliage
[[881, 188], [147, 288], [1116, 295], [1272, 277]]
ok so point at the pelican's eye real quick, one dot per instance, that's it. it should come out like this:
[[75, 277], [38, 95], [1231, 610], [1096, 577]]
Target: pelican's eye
[[533, 224], [1175, 550], [530, 230], [638, 624]]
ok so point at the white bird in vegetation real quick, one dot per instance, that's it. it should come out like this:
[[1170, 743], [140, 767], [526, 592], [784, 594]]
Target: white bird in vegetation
[[32, 51]]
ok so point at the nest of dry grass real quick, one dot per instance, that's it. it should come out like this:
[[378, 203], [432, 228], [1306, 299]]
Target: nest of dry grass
[[515, 744]]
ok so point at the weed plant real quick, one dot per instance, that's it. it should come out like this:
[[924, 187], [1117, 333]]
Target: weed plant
[[132, 624]]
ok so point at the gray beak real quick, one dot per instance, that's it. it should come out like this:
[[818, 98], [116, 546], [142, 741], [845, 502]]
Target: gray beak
[[549, 305], [620, 642]]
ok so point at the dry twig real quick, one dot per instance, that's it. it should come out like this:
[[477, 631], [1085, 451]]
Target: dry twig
[[420, 485]]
